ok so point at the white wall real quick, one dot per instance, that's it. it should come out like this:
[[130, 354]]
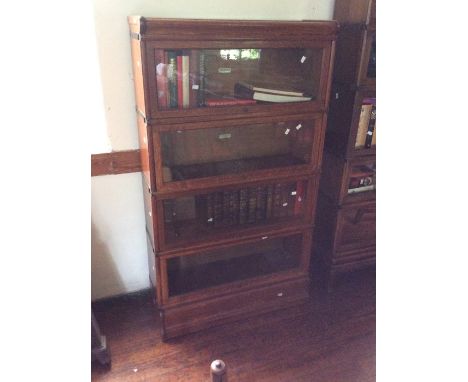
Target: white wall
[[119, 262]]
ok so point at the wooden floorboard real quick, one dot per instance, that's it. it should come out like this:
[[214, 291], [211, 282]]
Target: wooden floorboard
[[330, 338]]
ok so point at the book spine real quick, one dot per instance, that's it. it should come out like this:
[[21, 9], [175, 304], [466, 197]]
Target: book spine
[[209, 209], [226, 214], [261, 203], [201, 90], [298, 203], [370, 130], [277, 200], [218, 209], [172, 78], [229, 102], [185, 81], [235, 207], [362, 126], [180, 88], [374, 139], [251, 217], [269, 202], [194, 83], [243, 207]]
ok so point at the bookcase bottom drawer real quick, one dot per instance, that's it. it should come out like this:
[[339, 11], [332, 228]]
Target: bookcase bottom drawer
[[189, 318], [355, 228], [350, 260]]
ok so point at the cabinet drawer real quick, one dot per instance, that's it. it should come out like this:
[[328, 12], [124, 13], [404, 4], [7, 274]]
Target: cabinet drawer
[[355, 227]]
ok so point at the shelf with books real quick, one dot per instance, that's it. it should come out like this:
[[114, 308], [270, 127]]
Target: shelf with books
[[351, 129], [199, 78], [192, 154], [200, 216]]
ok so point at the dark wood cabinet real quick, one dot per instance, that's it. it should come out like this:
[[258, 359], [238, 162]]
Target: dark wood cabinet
[[344, 238], [231, 120]]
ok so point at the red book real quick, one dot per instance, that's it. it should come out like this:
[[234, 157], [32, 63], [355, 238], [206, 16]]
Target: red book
[[180, 96], [229, 102], [299, 198]]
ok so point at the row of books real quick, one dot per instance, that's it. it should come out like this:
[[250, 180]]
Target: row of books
[[254, 204], [177, 79], [181, 83], [366, 137]]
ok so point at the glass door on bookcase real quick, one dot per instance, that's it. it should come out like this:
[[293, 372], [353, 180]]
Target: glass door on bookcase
[[190, 152], [225, 76], [368, 70], [226, 213], [255, 259]]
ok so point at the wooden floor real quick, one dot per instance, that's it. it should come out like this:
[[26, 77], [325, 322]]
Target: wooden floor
[[331, 338]]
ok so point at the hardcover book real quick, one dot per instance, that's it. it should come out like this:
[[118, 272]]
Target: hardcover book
[[243, 91], [172, 78], [370, 128]]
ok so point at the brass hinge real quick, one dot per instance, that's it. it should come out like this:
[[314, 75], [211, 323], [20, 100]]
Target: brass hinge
[[140, 113], [136, 36]]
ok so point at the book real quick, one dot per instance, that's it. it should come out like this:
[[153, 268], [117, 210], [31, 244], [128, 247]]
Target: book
[[252, 203], [180, 99], [370, 128], [172, 78], [269, 202], [374, 141], [244, 92], [185, 81], [201, 86], [277, 200], [229, 102], [271, 90], [363, 125], [298, 203], [361, 189], [261, 199], [209, 209], [243, 207], [194, 77]]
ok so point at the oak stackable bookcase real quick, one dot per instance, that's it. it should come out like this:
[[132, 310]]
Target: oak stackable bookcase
[[231, 118], [344, 237]]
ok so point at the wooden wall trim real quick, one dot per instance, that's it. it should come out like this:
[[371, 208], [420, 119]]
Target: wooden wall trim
[[115, 162]]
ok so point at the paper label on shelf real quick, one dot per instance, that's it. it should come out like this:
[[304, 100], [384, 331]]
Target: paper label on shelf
[[298, 127], [303, 59], [224, 70], [224, 136], [287, 132], [293, 192], [285, 204], [195, 87], [210, 219]]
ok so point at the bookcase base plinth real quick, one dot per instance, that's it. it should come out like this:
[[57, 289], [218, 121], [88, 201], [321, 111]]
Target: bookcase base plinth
[[192, 317]]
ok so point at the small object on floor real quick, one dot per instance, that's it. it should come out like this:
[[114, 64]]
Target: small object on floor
[[99, 349], [218, 371]]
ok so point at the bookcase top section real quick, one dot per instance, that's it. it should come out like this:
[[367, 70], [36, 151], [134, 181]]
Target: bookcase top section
[[220, 30]]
